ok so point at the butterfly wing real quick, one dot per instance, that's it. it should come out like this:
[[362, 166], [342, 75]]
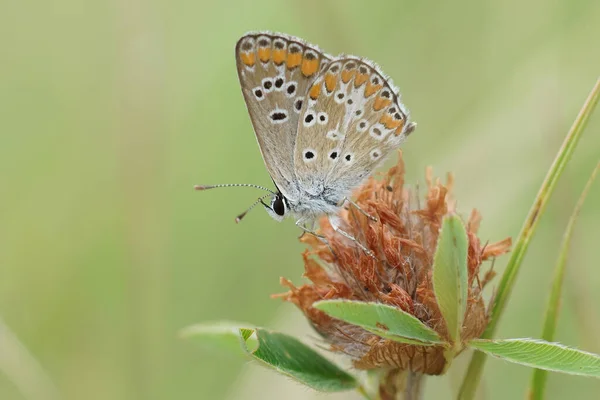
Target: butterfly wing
[[275, 71], [351, 121]]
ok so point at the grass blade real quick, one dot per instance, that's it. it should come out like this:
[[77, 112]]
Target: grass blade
[[475, 369], [539, 377], [22, 369]]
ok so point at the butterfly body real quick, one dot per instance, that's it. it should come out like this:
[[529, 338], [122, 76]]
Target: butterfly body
[[323, 123], [309, 206]]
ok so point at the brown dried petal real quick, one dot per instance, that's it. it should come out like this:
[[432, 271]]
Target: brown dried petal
[[403, 240]]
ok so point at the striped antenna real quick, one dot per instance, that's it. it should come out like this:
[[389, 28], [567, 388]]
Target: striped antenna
[[206, 187], [242, 215]]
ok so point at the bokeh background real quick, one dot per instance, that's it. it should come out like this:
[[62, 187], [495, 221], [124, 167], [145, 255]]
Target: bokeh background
[[110, 111]]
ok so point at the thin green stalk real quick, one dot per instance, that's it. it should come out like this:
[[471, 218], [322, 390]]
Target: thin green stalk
[[366, 393], [22, 369], [539, 377], [473, 375], [361, 389]]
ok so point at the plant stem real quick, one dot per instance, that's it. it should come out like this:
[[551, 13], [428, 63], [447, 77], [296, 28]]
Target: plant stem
[[538, 381], [413, 386], [399, 384], [473, 375], [361, 389], [22, 369]]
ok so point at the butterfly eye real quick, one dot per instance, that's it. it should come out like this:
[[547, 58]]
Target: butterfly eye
[[278, 206], [375, 154], [334, 154], [339, 97], [322, 118], [348, 158]]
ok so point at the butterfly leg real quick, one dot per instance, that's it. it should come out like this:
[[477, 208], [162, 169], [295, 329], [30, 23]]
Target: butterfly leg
[[305, 230], [363, 212], [334, 221], [322, 238]]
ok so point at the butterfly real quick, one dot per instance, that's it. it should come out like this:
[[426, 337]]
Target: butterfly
[[322, 123]]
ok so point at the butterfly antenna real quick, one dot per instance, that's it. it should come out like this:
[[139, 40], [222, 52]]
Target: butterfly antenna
[[242, 215], [206, 187]]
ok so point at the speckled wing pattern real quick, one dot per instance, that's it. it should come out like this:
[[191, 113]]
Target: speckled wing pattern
[[350, 122], [275, 72]]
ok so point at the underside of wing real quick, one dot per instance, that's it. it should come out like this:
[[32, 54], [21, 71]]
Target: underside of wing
[[351, 120], [275, 71]]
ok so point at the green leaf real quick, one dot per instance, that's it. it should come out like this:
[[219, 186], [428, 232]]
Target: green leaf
[[222, 335], [382, 320], [290, 356], [450, 275], [475, 369], [541, 354], [539, 376], [279, 351]]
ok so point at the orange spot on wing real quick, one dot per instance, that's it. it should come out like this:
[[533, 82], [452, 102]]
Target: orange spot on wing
[[279, 56], [396, 124], [385, 119], [380, 103], [293, 60], [399, 130], [389, 122], [371, 89], [264, 53], [309, 67], [347, 75], [248, 59], [315, 91], [330, 82], [360, 79]]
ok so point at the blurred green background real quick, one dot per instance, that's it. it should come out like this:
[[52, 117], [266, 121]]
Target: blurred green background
[[110, 111]]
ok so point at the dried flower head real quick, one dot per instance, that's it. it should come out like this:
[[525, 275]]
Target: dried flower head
[[399, 272]]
